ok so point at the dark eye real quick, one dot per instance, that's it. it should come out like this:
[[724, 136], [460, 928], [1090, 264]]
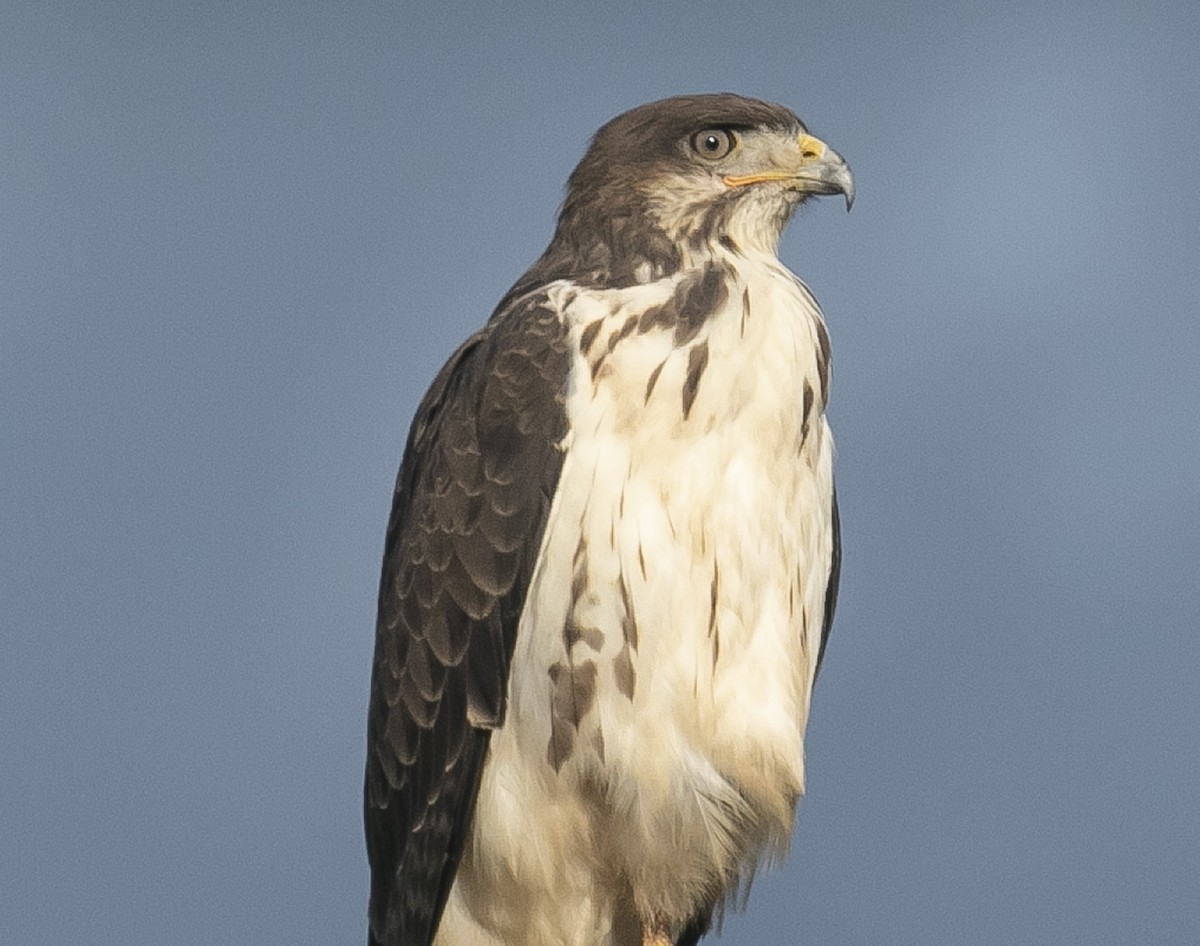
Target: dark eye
[[713, 143]]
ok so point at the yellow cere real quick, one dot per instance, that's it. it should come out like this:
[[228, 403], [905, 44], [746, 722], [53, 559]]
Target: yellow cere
[[811, 147]]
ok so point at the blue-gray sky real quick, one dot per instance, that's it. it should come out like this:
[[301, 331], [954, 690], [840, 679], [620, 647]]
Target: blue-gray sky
[[237, 241]]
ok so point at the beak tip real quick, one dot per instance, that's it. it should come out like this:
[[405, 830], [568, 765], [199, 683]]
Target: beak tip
[[842, 179]]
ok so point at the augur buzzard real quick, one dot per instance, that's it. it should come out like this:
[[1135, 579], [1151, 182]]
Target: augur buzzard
[[612, 559]]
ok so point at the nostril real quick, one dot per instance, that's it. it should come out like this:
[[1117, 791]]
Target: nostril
[[811, 149]]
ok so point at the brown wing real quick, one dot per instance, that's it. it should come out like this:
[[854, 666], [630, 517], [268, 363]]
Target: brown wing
[[470, 506], [835, 574]]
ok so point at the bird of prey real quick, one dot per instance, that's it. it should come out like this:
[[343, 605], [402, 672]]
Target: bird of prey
[[613, 558]]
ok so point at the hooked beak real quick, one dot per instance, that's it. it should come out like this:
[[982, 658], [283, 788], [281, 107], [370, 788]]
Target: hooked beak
[[815, 168]]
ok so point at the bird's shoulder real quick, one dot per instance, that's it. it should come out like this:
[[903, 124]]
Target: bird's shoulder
[[479, 468]]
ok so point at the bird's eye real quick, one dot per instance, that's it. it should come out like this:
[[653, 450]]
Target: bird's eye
[[713, 143]]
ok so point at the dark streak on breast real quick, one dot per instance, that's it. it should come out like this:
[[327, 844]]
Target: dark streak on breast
[[624, 673], [694, 300], [628, 619], [697, 362], [699, 300], [575, 633], [579, 573], [823, 362], [573, 688], [712, 597], [629, 325], [653, 380], [806, 411], [587, 338], [714, 632]]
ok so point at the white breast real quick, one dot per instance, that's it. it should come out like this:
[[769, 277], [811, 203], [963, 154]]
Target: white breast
[[666, 656]]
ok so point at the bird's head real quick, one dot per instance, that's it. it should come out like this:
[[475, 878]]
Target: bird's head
[[670, 177]]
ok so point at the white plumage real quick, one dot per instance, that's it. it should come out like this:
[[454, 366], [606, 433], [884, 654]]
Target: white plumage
[[681, 789]]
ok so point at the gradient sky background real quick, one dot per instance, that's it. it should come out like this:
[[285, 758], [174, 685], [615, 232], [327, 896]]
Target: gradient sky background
[[236, 242]]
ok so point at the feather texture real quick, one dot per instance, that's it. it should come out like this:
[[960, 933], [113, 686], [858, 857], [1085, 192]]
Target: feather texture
[[612, 561]]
